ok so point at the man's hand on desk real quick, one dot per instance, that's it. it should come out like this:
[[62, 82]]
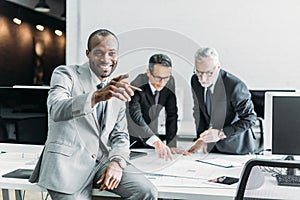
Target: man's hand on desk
[[165, 152], [111, 178], [175, 150], [197, 146], [208, 136], [162, 150]]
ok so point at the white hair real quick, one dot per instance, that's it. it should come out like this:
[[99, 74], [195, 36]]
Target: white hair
[[205, 52]]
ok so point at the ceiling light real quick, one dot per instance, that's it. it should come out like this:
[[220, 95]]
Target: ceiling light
[[17, 21], [42, 6], [39, 27], [58, 32]]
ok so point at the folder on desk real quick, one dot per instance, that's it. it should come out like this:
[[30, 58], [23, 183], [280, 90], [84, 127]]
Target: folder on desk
[[19, 173], [221, 162], [136, 154]]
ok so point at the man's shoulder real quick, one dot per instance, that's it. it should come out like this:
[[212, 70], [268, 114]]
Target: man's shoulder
[[195, 82], [194, 78], [68, 68], [230, 78], [71, 70], [233, 84]]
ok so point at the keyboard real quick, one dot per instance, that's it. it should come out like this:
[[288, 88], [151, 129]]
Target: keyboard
[[288, 180]]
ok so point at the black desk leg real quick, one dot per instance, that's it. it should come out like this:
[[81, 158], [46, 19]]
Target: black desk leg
[[18, 194], [5, 194]]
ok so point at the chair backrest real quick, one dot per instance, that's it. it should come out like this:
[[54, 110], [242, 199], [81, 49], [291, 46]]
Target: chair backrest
[[252, 164], [258, 99]]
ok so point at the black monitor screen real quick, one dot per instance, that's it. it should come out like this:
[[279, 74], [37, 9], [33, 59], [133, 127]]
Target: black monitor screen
[[23, 115], [286, 125]]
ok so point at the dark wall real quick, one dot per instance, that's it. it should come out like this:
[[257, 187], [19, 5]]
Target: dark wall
[[19, 62]]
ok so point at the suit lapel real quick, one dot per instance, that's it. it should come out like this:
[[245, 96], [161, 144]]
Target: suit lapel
[[85, 78], [153, 111], [202, 104], [108, 121], [162, 96], [219, 104], [149, 94], [88, 85]]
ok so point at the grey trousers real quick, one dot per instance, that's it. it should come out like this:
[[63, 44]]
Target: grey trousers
[[133, 186]]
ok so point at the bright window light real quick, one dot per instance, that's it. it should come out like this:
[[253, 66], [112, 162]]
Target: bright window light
[[17, 21], [39, 27], [58, 32]]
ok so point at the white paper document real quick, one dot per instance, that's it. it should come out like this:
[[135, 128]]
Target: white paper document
[[186, 173]]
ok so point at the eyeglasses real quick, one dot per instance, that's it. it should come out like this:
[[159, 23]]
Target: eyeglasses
[[208, 74], [159, 78]]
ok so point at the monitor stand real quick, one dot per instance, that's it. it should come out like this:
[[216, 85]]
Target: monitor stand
[[290, 171], [32, 162]]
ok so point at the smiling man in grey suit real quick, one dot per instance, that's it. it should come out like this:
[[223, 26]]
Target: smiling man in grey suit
[[88, 142], [223, 110]]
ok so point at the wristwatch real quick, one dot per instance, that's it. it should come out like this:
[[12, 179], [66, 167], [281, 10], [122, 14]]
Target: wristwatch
[[121, 162]]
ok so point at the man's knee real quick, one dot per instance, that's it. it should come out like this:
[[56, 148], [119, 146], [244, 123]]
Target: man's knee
[[148, 192]]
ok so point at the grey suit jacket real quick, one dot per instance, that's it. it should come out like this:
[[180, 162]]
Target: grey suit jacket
[[232, 111], [74, 135]]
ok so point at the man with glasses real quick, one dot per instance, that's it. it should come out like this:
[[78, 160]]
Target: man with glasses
[[158, 91], [223, 110]]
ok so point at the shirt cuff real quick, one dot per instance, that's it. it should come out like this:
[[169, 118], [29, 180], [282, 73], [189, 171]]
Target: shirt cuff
[[121, 161], [151, 140]]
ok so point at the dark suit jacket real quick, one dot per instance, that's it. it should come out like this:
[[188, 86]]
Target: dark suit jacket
[[143, 114], [232, 111]]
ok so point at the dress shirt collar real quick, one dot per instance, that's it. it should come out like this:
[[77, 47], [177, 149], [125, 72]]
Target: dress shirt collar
[[152, 88]]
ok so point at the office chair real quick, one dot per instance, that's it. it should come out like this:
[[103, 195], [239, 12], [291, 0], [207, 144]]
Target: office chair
[[258, 179], [258, 99]]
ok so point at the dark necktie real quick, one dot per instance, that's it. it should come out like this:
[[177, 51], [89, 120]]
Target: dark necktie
[[100, 105], [156, 97], [208, 100]]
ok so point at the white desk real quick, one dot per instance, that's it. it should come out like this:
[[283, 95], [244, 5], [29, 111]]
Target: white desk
[[199, 190], [9, 162], [270, 190]]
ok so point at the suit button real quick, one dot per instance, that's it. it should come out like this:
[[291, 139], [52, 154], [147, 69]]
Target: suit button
[[94, 156]]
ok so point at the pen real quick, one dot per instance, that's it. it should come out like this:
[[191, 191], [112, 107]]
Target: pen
[[132, 87], [132, 144], [210, 127], [198, 139]]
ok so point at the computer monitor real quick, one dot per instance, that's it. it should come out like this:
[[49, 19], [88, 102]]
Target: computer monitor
[[282, 123], [23, 118]]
